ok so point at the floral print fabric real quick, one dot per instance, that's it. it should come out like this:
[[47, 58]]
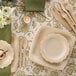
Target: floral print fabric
[[39, 19]]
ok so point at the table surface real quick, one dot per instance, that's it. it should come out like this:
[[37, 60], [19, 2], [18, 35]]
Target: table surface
[[27, 30]]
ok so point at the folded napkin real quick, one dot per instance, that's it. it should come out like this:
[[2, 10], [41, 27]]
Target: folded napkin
[[34, 5], [14, 1], [5, 34], [4, 2]]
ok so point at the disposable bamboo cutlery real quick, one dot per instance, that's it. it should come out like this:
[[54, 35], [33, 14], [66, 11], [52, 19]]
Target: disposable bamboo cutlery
[[23, 46], [63, 13]]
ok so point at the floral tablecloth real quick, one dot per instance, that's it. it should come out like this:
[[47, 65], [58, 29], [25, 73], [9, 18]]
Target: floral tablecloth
[[39, 19]]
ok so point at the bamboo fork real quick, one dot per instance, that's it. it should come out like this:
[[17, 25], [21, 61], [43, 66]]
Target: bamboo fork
[[62, 5], [23, 46], [69, 8], [19, 65], [57, 15]]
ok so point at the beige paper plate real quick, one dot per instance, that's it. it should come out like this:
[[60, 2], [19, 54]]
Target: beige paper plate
[[54, 48], [34, 53]]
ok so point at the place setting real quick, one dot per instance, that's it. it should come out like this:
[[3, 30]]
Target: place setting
[[37, 38]]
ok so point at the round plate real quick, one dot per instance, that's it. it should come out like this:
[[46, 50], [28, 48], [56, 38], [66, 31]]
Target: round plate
[[54, 48]]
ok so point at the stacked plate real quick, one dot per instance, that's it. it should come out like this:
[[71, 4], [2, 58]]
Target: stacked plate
[[52, 47]]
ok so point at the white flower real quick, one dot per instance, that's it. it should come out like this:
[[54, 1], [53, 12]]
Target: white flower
[[6, 11], [0, 11], [1, 14], [7, 20], [6, 16], [1, 22]]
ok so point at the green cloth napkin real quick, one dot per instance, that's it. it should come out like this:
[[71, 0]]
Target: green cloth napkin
[[34, 5], [5, 34]]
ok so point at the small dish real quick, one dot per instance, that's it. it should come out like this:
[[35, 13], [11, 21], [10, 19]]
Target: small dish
[[54, 48]]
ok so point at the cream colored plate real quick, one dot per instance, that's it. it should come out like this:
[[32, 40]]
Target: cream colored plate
[[34, 53], [54, 48]]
